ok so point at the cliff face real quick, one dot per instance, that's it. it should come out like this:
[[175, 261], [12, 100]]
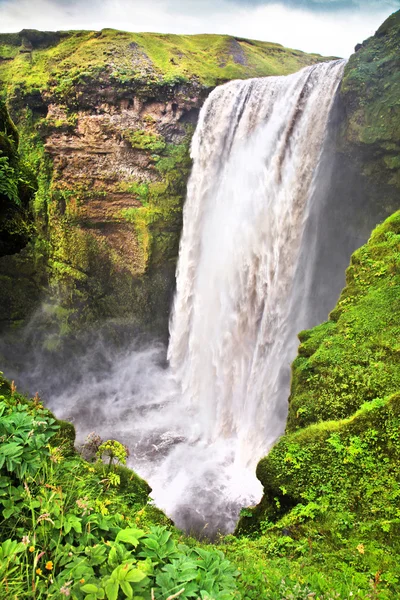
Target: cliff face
[[106, 120], [370, 93]]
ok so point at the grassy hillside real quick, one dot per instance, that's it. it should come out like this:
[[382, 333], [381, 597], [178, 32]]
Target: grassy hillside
[[31, 61]]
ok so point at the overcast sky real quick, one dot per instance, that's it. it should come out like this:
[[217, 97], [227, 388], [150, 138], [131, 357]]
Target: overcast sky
[[330, 27]]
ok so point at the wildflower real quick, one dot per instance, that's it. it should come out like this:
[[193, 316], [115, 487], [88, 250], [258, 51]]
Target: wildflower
[[31, 548], [82, 580], [25, 540], [361, 548], [39, 571], [83, 504], [49, 565], [65, 590], [45, 517]]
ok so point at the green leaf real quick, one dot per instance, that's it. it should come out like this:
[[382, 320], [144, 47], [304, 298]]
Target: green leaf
[[151, 543], [89, 588], [112, 590], [135, 575], [127, 589], [130, 536], [7, 512]]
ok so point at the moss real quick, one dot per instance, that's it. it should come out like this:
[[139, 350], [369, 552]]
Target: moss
[[340, 452], [370, 92], [349, 465], [354, 357], [145, 140], [132, 484], [63, 62], [17, 186]]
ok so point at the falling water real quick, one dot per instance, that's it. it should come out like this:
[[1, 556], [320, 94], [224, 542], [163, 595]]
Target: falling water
[[255, 152]]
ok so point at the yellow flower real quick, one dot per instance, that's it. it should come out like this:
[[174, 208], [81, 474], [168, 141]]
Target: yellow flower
[[361, 548], [49, 565], [31, 548], [82, 580], [39, 571]]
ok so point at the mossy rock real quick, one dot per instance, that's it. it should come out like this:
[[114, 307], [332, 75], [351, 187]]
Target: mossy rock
[[133, 488], [355, 356], [370, 92], [339, 466], [132, 484], [341, 448]]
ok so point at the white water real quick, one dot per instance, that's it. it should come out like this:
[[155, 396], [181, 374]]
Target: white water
[[198, 428], [255, 152]]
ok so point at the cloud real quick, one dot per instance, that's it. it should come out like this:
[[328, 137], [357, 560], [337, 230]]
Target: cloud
[[330, 27]]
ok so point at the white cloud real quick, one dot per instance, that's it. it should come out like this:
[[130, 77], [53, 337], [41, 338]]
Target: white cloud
[[330, 33]]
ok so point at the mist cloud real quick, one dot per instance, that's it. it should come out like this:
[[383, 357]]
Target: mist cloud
[[329, 27]]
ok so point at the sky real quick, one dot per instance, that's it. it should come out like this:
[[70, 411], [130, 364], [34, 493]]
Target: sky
[[329, 27]]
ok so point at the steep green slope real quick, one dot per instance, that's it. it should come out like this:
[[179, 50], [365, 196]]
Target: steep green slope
[[335, 474], [355, 356]]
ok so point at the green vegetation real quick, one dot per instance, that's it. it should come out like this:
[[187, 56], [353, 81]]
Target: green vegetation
[[17, 186], [65, 63], [355, 356], [332, 482], [86, 530], [158, 221], [371, 93], [144, 140]]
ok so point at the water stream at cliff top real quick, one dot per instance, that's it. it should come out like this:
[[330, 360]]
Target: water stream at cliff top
[[197, 428]]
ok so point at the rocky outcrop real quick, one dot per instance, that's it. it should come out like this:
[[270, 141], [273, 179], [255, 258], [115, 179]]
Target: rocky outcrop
[[370, 133]]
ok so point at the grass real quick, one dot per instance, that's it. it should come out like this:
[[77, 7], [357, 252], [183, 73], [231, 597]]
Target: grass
[[128, 58]]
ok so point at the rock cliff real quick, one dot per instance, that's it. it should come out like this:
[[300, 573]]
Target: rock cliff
[[106, 120]]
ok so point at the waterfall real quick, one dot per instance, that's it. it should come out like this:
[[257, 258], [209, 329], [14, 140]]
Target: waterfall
[[248, 265], [233, 329]]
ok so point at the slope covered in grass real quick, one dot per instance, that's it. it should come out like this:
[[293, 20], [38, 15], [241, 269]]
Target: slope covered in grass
[[32, 61]]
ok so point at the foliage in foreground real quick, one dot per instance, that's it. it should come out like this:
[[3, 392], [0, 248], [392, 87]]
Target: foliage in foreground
[[83, 530]]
